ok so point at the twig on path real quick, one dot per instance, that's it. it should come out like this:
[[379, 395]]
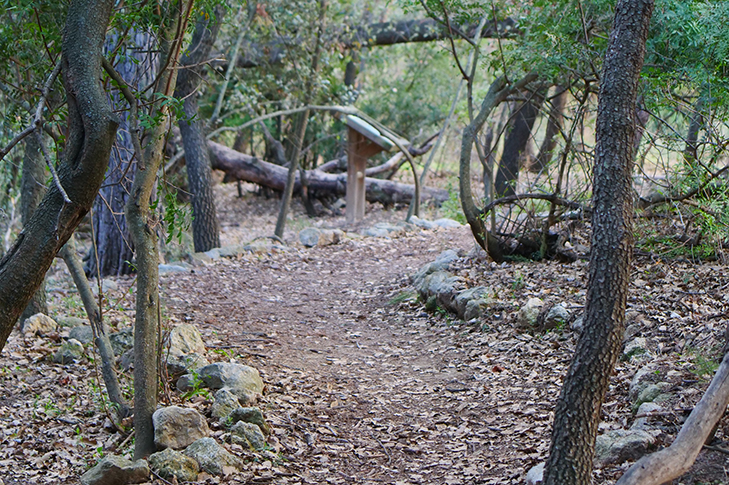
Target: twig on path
[[717, 448], [387, 452]]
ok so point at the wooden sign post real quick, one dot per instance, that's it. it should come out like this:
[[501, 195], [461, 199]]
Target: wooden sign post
[[363, 142]]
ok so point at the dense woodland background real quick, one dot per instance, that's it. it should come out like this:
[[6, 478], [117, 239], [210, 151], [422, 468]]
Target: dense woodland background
[[529, 121]]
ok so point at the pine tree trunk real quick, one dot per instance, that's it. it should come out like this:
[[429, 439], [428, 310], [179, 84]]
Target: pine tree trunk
[[205, 227], [577, 414], [113, 250]]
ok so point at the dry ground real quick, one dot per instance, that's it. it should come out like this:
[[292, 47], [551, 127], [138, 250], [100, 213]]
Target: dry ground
[[363, 386]]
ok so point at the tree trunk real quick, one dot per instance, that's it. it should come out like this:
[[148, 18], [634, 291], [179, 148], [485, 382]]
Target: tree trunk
[[577, 413], [142, 228], [32, 190], [205, 227], [91, 130], [101, 337], [497, 93], [112, 252], [554, 126], [515, 145], [239, 166]]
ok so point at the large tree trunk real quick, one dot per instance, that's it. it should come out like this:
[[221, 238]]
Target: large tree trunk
[[517, 139], [577, 414], [32, 190], [239, 166], [91, 129], [112, 252], [205, 227]]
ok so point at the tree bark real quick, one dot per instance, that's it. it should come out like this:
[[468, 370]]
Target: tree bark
[[577, 413], [497, 93], [101, 337], [515, 145], [112, 252], [32, 190], [377, 34], [91, 129], [239, 166], [554, 126], [205, 227], [142, 227]]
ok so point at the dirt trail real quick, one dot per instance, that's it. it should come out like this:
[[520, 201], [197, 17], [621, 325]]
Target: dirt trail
[[361, 390]]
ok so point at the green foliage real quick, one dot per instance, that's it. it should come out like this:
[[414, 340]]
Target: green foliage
[[403, 297], [177, 217], [452, 207]]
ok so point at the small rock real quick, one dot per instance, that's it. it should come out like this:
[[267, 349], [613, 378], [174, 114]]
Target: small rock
[[248, 435], [239, 379], [384, 230], [201, 259], [476, 309], [185, 383], [107, 285], [250, 415], [115, 470], [71, 351], [578, 324], [644, 377], [84, 334], [425, 224], [225, 403], [230, 251], [213, 254], [479, 293], [186, 350], [556, 316], [651, 393], [535, 475], [620, 445], [635, 348], [645, 408], [174, 268], [176, 427], [122, 340], [263, 246], [71, 322], [170, 463], [529, 313], [312, 236], [212, 457], [447, 223], [39, 324]]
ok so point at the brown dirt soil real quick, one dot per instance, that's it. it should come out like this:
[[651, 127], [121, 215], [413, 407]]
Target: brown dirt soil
[[362, 385]]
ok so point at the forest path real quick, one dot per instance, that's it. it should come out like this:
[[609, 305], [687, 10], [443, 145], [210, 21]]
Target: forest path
[[361, 389]]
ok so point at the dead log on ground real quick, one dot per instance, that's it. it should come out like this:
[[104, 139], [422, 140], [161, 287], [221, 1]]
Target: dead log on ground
[[240, 166]]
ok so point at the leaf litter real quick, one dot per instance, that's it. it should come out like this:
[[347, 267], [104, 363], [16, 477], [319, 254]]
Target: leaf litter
[[362, 385]]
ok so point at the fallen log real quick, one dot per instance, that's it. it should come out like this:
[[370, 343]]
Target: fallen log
[[240, 166]]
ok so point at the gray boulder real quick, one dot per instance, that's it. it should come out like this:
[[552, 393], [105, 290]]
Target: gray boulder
[[636, 348], [71, 351], [241, 380], [620, 445], [170, 463], [82, 333], [186, 350], [481, 294], [248, 435], [578, 323], [263, 246], [250, 415], [556, 316], [476, 309], [115, 470], [442, 262], [225, 403], [122, 340], [39, 324], [529, 313], [652, 392], [423, 223], [644, 377], [212, 457], [642, 421], [312, 236], [176, 427]]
